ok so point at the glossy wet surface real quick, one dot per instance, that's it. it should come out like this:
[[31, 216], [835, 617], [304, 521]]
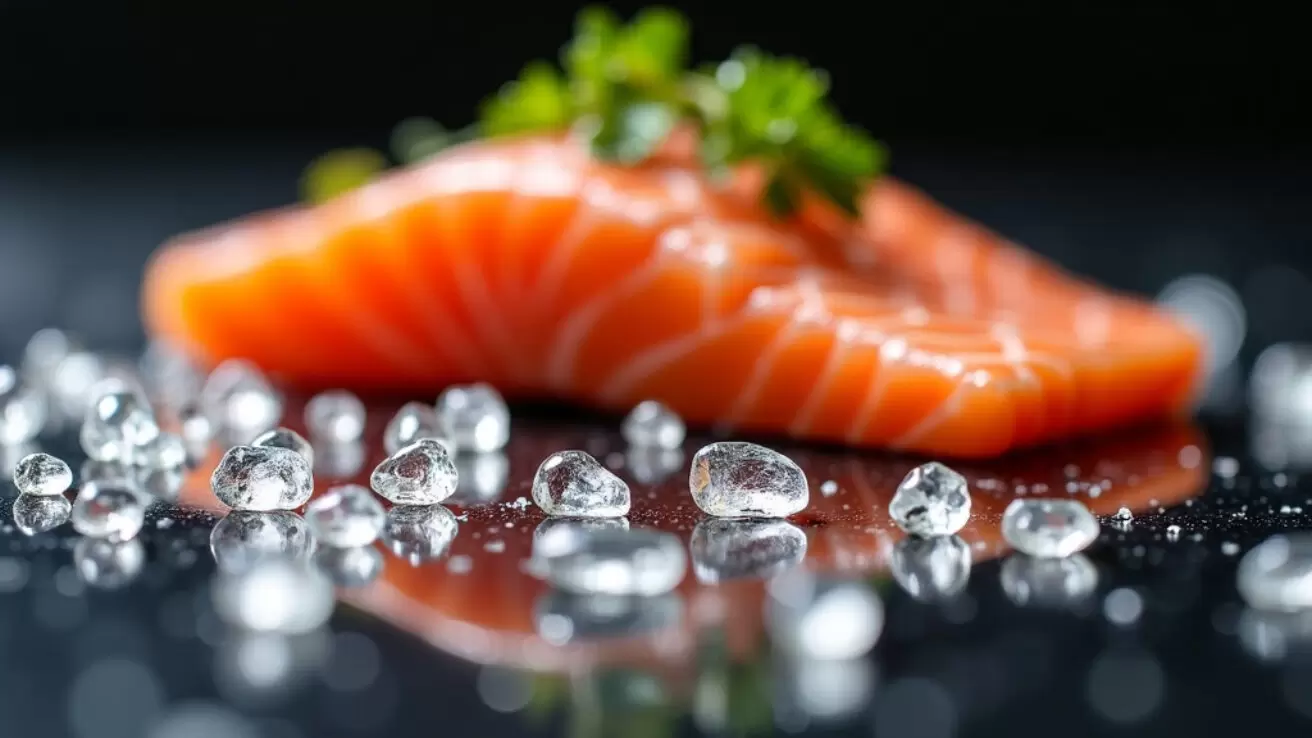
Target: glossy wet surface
[[1145, 633]]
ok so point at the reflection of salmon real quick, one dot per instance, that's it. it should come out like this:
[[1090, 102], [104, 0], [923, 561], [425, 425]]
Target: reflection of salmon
[[529, 265], [486, 614]]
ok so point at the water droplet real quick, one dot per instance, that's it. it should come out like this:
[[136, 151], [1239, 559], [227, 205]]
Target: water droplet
[[475, 417], [108, 511], [336, 416], [829, 488], [419, 533], [728, 549], [262, 478], [932, 500], [639, 561], [736, 479], [1049, 528], [42, 474], [346, 516], [653, 425], [932, 569], [574, 484], [242, 539], [419, 474]]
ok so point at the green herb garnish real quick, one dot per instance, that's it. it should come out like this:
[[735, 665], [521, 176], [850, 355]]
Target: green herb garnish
[[626, 87]]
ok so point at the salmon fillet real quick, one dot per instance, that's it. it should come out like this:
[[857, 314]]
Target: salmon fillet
[[527, 264]]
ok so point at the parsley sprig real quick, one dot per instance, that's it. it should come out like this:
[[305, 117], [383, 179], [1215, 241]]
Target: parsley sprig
[[626, 87]]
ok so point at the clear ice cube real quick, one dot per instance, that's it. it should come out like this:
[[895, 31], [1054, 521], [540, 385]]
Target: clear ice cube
[[736, 479], [638, 561], [243, 539], [33, 514], [240, 400], [275, 596], [475, 417], [1276, 574], [413, 421], [108, 565], [117, 425], [932, 500], [108, 510], [419, 474], [350, 567], [419, 533], [336, 416], [42, 474], [1049, 582], [346, 516], [818, 617], [1049, 528], [653, 425], [574, 484], [288, 439], [932, 569], [262, 478], [22, 409], [727, 549]]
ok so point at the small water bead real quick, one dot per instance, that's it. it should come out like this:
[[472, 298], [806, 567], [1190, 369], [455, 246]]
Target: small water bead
[[932, 569], [817, 617], [1124, 515], [243, 539], [932, 500], [413, 421], [346, 516], [653, 425], [728, 549], [1172, 533], [565, 617], [1048, 582], [1049, 528], [275, 596], [22, 409], [288, 439], [419, 533], [240, 400], [829, 488], [262, 478], [350, 567], [108, 510], [118, 423], [42, 474], [106, 564], [475, 418], [639, 561], [419, 474], [1277, 573], [737, 479], [33, 514], [648, 465], [336, 416], [574, 484]]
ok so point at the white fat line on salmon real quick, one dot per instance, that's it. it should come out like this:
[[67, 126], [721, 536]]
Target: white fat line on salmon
[[949, 407], [444, 337], [844, 336], [471, 288], [890, 350], [325, 292]]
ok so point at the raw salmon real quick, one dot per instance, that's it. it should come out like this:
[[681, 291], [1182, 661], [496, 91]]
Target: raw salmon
[[527, 264]]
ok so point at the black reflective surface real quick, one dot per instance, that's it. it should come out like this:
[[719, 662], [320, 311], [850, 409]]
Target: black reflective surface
[[1145, 636]]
